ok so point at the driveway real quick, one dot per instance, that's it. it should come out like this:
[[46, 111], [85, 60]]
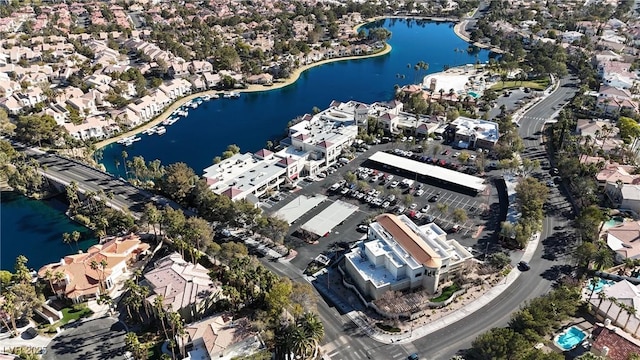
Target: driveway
[[99, 339]]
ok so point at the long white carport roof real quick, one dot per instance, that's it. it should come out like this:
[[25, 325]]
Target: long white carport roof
[[436, 172], [329, 218]]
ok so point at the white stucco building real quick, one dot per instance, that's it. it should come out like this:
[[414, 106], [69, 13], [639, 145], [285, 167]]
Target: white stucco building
[[398, 255]]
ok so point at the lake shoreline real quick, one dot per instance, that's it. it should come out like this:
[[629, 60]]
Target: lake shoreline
[[250, 89]]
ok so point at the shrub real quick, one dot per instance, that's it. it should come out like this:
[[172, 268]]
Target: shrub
[[446, 293], [388, 328]]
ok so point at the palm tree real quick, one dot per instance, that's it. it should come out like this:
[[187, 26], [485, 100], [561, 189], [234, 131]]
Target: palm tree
[[75, 236], [313, 327], [66, 238], [58, 276], [594, 281], [158, 305], [631, 311], [124, 163], [602, 259], [48, 275]]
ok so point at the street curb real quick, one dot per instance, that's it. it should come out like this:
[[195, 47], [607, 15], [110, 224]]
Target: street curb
[[459, 314]]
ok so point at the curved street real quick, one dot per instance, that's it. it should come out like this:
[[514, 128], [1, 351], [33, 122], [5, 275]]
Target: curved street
[[344, 340]]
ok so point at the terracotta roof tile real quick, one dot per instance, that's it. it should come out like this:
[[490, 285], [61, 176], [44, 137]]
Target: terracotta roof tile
[[409, 240]]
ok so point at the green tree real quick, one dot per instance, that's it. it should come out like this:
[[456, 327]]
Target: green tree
[[588, 223], [178, 180], [498, 344], [629, 129], [34, 129], [459, 215]]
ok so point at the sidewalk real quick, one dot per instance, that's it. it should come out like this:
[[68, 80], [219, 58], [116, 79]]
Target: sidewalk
[[361, 319]]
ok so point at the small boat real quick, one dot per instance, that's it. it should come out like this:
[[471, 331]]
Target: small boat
[[136, 139], [234, 95], [215, 96], [227, 95], [127, 143], [172, 120], [161, 130], [194, 105], [126, 139], [205, 98]]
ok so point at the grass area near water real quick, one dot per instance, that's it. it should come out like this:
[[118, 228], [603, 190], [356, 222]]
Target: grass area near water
[[540, 84]]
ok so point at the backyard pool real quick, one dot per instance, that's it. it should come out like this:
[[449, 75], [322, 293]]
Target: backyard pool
[[597, 287], [570, 338], [614, 221], [473, 94]]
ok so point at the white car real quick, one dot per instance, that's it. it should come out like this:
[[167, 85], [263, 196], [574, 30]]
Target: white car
[[456, 154], [389, 177], [413, 206], [472, 157], [425, 208], [394, 184], [419, 193]]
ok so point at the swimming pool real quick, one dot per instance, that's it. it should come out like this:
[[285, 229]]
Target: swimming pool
[[473, 94], [615, 221], [570, 338], [599, 285]]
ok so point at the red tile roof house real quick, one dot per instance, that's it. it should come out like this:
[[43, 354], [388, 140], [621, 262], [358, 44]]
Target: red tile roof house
[[613, 343], [185, 287], [81, 282]]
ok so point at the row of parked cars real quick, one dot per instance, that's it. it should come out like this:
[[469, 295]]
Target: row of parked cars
[[436, 161], [376, 198]]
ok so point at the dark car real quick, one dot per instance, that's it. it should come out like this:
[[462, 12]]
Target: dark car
[[524, 266], [434, 198], [413, 356]]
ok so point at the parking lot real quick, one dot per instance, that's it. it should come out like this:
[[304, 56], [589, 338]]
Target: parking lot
[[378, 192]]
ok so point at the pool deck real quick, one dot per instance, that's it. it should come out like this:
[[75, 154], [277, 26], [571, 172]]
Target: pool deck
[[585, 324], [458, 79]]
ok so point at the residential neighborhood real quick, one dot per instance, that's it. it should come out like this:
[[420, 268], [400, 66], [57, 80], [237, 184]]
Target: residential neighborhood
[[484, 204]]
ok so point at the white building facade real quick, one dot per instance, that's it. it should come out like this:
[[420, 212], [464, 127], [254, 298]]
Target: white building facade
[[398, 255]]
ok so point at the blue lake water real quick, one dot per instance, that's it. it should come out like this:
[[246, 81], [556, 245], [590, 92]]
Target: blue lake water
[[255, 118], [34, 229]]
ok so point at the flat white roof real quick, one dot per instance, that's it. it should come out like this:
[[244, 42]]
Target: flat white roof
[[297, 207], [324, 222], [437, 172]]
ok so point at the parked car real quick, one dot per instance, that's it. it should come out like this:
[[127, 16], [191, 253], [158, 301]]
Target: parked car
[[394, 184], [420, 192], [434, 198], [413, 356], [425, 208], [363, 228], [524, 266]]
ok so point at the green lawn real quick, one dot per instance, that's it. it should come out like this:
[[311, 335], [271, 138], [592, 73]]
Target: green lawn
[[446, 293], [72, 314], [533, 84]]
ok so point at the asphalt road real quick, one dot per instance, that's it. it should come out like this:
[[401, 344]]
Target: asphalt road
[[342, 341], [124, 195], [95, 339]]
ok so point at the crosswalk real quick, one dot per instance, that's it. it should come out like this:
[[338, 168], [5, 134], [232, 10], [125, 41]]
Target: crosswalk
[[534, 118], [341, 349]]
